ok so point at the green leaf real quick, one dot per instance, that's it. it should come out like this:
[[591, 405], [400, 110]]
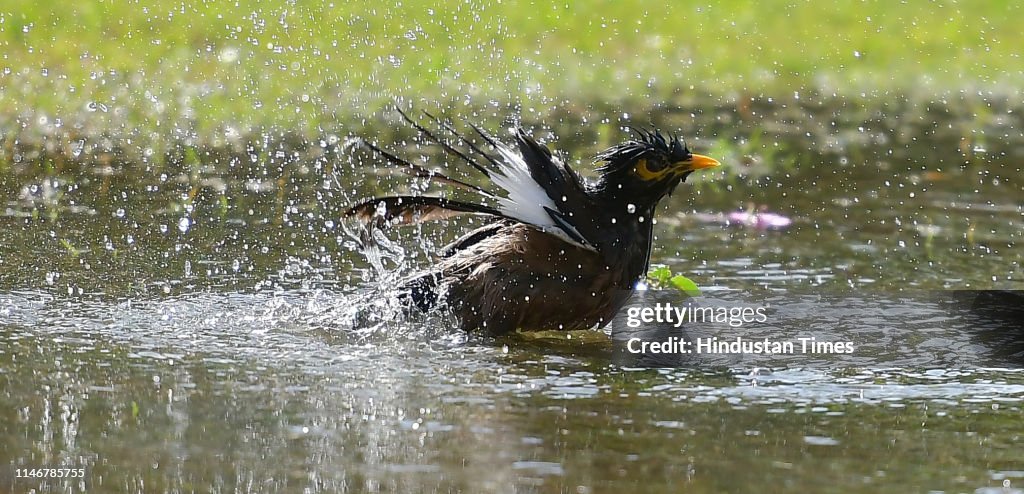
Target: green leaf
[[660, 274], [685, 285]]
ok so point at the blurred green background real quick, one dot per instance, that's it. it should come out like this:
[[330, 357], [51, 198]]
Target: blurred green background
[[220, 68]]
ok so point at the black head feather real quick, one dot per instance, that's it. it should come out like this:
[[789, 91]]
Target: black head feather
[[648, 144]]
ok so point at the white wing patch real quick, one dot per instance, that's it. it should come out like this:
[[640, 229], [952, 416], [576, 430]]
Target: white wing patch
[[528, 202]]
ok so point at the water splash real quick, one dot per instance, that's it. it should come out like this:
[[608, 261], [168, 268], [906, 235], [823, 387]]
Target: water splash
[[377, 306]]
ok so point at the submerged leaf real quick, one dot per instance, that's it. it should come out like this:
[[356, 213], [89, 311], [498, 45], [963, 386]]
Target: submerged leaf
[[659, 274], [685, 285], [661, 277]]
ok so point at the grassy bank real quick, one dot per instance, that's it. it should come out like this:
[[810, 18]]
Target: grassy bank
[[160, 69]]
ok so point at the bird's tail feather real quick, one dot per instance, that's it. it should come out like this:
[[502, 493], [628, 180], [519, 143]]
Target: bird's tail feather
[[422, 291], [407, 210]]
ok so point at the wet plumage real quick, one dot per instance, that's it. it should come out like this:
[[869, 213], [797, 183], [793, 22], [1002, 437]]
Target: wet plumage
[[559, 253]]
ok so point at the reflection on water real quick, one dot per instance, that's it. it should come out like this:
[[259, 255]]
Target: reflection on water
[[241, 392], [200, 330]]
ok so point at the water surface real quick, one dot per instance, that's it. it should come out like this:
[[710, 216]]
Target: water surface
[[210, 328]]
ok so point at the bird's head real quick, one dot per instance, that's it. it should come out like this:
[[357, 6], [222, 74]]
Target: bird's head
[[644, 169]]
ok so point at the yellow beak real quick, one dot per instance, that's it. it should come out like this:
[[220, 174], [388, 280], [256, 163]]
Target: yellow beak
[[699, 161]]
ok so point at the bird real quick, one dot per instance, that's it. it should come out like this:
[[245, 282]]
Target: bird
[[556, 252]]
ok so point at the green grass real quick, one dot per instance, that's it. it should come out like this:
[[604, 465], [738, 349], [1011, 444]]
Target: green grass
[[152, 69]]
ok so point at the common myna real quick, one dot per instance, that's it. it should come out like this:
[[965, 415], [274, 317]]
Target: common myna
[[556, 252]]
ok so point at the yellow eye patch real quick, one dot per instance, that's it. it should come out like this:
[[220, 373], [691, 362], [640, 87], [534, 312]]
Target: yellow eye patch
[[645, 173]]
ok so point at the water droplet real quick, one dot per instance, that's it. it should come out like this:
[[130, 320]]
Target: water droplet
[[184, 224], [119, 213], [630, 208], [228, 55]]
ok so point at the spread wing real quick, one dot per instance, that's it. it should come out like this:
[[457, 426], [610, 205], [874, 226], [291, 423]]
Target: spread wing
[[534, 187]]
